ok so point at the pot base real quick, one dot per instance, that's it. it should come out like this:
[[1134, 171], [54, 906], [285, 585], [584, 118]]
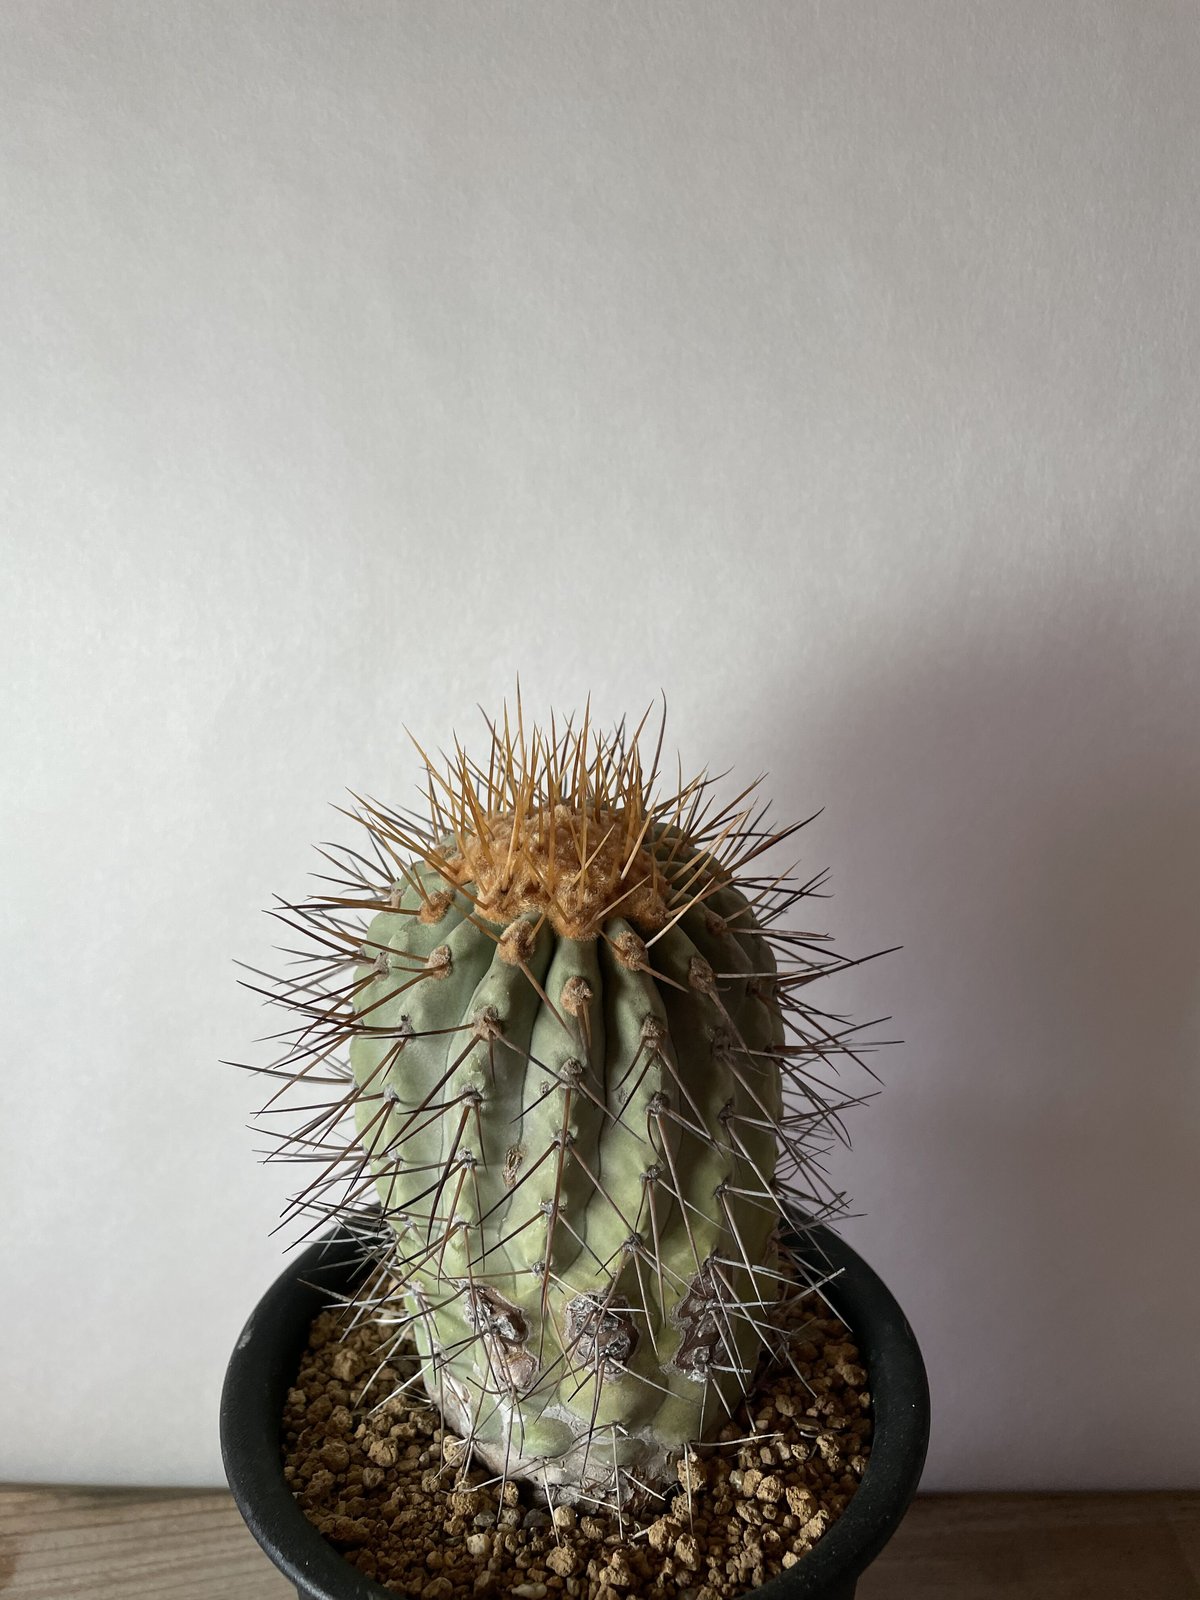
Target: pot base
[[268, 1356], [375, 1468]]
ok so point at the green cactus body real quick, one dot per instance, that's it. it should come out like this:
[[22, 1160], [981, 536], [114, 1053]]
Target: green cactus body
[[573, 1155], [567, 1057]]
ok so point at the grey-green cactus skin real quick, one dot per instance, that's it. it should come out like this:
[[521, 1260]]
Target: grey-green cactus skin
[[581, 1190]]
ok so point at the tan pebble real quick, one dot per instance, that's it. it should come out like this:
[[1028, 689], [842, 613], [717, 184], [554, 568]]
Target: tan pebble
[[485, 1582], [335, 1455], [593, 1528], [479, 1544], [437, 1589], [372, 1477], [769, 1488], [751, 1481], [687, 1551], [790, 1558], [800, 1500], [607, 1593], [659, 1534], [529, 1591], [348, 1530], [785, 1405], [510, 1494], [382, 1452], [564, 1517], [816, 1524], [564, 1561]]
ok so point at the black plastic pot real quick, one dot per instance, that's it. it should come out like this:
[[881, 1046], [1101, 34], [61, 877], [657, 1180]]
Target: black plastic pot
[[267, 1357]]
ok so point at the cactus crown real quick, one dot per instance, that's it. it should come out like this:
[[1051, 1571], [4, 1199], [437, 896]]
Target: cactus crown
[[565, 828], [558, 1018]]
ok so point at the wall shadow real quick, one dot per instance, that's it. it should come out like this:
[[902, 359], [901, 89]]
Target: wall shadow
[[1016, 800]]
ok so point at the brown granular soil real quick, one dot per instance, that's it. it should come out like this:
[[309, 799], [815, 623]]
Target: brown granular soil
[[375, 1472]]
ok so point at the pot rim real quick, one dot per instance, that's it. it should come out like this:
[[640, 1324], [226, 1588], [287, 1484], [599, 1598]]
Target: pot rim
[[267, 1354]]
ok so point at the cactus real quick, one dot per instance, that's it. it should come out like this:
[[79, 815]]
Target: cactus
[[559, 1019]]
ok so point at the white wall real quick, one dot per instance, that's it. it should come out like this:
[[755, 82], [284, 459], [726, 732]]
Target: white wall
[[832, 368]]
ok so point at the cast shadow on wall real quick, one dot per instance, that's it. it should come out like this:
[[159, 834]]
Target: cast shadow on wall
[[1025, 802]]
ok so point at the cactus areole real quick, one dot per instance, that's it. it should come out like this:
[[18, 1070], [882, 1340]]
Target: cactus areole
[[558, 1018]]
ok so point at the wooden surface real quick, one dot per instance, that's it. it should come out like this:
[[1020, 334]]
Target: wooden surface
[[65, 1544]]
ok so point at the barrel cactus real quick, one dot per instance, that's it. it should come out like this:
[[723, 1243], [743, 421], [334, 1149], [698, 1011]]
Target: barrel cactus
[[558, 1018]]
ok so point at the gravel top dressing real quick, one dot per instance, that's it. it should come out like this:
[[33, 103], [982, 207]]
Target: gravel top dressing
[[377, 1474]]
